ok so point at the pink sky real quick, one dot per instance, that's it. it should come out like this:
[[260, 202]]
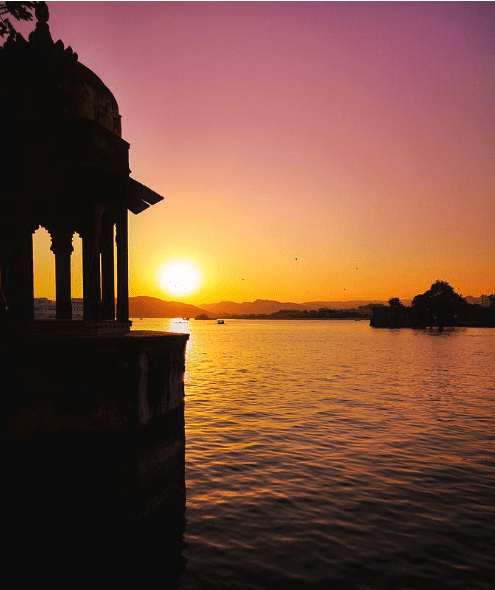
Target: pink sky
[[355, 137]]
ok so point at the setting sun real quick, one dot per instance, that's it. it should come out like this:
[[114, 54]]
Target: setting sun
[[179, 278]]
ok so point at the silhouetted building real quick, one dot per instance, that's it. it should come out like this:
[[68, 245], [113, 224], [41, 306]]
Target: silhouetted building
[[93, 413], [67, 169]]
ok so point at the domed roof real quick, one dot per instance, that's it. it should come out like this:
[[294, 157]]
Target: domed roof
[[45, 76], [62, 131]]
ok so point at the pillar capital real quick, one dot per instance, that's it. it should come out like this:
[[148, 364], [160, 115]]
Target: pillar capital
[[61, 239]]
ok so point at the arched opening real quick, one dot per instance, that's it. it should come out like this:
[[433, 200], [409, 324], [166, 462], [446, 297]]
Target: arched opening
[[81, 278], [77, 278], [44, 276]]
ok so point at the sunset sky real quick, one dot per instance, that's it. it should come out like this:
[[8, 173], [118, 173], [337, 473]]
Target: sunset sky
[[305, 151]]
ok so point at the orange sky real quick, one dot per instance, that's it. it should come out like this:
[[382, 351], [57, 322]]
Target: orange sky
[[355, 137]]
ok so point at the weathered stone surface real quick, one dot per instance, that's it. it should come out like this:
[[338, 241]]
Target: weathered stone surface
[[93, 414], [95, 425]]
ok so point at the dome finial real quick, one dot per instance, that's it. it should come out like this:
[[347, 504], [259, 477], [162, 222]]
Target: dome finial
[[41, 35], [41, 12]]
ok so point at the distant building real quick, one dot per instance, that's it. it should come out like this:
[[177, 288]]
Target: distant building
[[77, 308], [46, 309]]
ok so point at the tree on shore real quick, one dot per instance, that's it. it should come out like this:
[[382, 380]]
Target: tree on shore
[[440, 305]]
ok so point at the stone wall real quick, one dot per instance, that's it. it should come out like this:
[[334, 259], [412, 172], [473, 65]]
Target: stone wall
[[94, 427]]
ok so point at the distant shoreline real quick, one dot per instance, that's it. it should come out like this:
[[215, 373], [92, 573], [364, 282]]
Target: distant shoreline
[[227, 317], [280, 318], [348, 319]]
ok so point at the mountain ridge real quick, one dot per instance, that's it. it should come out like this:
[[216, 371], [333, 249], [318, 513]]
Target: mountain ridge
[[268, 306], [152, 307], [144, 306]]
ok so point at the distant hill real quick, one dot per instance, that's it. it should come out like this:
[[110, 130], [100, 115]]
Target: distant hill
[[152, 307], [258, 306], [347, 304], [268, 306]]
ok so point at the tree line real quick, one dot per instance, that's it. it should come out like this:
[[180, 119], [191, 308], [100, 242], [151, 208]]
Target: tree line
[[440, 306], [362, 312]]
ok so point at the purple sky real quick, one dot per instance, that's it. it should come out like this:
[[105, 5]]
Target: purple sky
[[355, 137]]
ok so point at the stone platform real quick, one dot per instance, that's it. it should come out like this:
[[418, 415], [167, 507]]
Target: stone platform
[[93, 426]]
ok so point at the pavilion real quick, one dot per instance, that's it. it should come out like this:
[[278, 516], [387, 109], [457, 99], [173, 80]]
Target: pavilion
[[67, 171]]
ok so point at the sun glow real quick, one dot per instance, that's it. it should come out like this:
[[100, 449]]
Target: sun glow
[[179, 278]]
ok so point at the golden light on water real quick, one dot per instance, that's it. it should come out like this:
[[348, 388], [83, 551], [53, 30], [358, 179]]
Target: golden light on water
[[179, 277]]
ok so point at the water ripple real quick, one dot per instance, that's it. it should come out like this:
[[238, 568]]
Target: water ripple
[[331, 455]]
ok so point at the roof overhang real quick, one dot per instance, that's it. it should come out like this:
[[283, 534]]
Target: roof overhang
[[140, 197]]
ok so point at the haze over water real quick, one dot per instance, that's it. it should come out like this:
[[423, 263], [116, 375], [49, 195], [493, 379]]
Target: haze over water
[[327, 454]]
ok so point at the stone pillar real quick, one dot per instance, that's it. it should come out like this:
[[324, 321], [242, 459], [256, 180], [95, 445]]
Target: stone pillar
[[122, 268], [17, 273], [4, 276], [107, 271], [91, 276], [62, 248]]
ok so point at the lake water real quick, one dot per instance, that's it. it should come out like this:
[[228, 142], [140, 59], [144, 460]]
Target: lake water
[[328, 454]]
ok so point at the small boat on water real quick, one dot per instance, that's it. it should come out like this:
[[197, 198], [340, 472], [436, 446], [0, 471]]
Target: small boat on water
[[220, 322]]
